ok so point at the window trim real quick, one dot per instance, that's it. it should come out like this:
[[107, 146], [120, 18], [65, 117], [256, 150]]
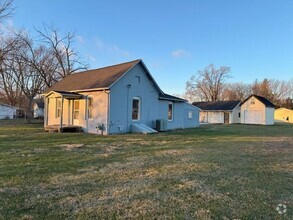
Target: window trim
[[172, 111], [139, 109]]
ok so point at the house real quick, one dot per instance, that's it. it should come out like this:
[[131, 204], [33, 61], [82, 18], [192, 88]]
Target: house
[[257, 110], [7, 111], [227, 112], [116, 99], [283, 115], [38, 108]]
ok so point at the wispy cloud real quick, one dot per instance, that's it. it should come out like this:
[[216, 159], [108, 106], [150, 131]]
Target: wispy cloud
[[111, 49], [80, 39], [92, 58], [180, 53]]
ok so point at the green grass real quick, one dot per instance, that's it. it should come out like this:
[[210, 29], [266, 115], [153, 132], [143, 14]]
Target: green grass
[[211, 172]]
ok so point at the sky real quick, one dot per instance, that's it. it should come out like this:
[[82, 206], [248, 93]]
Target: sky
[[174, 38]]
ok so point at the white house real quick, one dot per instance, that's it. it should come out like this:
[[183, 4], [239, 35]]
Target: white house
[[7, 111], [38, 108], [219, 112], [257, 110], [116, 99]]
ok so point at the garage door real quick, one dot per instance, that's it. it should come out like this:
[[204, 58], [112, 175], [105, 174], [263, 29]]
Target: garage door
[[253, 117]]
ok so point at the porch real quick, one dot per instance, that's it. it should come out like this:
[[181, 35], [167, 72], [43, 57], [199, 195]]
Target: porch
[[64, 110], [64, 128]]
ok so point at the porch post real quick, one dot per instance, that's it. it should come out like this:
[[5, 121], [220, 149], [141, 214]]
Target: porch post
[[61, 118], [46, 111]]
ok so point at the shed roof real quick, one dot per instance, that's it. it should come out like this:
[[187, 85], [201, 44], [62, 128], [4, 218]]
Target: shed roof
[[263, 100], [217, 106]]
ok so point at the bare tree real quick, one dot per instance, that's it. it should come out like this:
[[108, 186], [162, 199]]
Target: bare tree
[[209, 83], [8, 83], [67, 59], [6, 9], [236, 91]]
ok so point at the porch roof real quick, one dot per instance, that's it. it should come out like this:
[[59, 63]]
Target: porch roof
[[67, 95]]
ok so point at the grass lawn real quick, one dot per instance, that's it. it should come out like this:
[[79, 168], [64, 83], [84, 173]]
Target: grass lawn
[[211, 172]]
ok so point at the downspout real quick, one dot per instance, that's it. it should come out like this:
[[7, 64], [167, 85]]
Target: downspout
[[127, 107], [86, 113]]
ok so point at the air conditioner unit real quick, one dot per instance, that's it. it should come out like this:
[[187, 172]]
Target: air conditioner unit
[[161, 125]]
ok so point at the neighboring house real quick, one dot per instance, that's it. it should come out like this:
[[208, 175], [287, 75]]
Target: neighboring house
[[257, 110], [116, 99], [7, 111], [227, 112], [38, 108], [284, 115]]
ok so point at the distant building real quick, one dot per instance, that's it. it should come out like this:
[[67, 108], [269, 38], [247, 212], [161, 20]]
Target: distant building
[[38, 108], [257, 110], [7, 111], [284, 115], [219, 112]]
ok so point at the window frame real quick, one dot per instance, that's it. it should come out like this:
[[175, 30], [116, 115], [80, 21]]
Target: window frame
[[90, 107], [58, 108], [138, 110], [172, 111], [190, 115]]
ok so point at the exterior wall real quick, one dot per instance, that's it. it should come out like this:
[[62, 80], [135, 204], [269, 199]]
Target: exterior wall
[[134, 84], [213, 117], [283, 115], [7, 112], [235, 119], [269, 116], [99, 112]]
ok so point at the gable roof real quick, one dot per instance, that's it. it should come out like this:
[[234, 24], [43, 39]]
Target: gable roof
[[39, 103], [263, 100], [104, 78], [93, 79], [217, 106], [8, 106]]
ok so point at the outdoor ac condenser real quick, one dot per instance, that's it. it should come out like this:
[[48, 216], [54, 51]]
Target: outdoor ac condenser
[[161, 125]]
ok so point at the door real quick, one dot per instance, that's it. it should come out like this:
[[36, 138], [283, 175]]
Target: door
[[226, 117], [76, 112], [253, 117]]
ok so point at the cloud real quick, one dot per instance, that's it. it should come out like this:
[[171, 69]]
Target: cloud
[[80, 39], [92, 58], [180, 53], [111, 49]]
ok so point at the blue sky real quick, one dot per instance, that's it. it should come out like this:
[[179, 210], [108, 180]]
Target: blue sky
[[175, 38]]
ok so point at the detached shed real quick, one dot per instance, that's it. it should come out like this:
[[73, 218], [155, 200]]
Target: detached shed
[[257, 110], [219, 112], [284, 115], [7, 111]]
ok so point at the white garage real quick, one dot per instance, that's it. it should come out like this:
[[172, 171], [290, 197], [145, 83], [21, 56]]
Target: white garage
[[219, 112], [257, 110]]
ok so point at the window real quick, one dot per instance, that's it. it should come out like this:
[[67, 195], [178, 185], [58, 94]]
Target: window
[[190, 115], [76, 110], [90, 107], [58, 107], [137, 79], [252, 101], [170, 111], [135, 108]]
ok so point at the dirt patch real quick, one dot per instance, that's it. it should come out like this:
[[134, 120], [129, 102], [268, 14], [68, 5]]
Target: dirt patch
[[71, 146]]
